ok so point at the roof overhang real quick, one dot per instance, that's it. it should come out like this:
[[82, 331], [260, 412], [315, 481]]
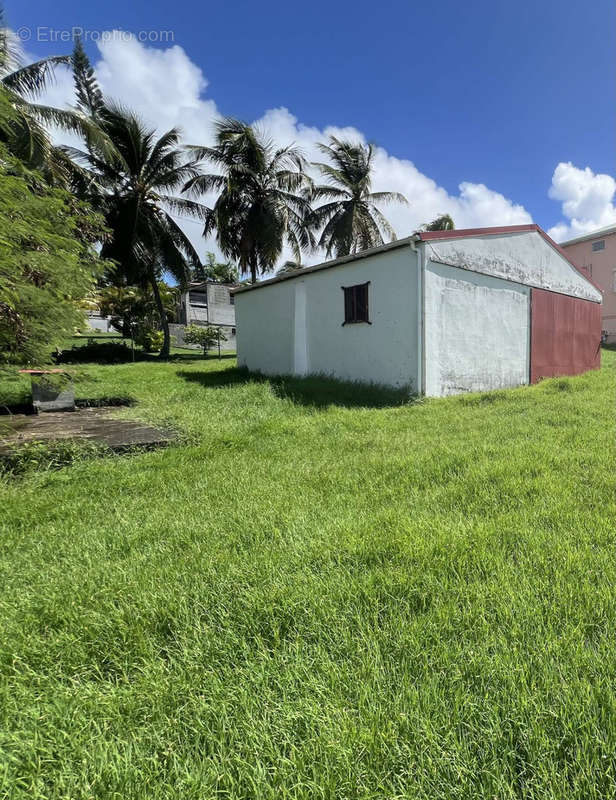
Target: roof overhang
[[337, 262], [596, 234], [420, 236]]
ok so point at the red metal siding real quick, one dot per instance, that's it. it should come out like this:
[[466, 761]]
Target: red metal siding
[[565, 335]]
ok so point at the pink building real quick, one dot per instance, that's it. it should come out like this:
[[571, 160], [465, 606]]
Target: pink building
[[596, 253]]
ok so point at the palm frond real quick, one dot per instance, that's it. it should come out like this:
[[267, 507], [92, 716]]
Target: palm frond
[[387, 197], [31, 80]]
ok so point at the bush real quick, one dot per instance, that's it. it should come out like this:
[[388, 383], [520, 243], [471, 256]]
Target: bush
[[205, 337], [150, 340], [97, 353]]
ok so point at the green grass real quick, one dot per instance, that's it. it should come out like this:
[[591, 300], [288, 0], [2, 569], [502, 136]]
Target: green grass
[[325, 593]]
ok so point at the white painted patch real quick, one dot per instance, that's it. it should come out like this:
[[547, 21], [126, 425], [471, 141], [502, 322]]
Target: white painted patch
[[300, 348], [477, 333], [522, 257]]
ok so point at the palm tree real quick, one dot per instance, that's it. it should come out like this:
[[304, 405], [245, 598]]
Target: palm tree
[[443, 222], [133, 185], [350, 221], [263, 197], [27, 136]]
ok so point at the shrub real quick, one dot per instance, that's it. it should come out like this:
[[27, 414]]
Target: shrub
[[205, 337], [150, 340], [97, 353]]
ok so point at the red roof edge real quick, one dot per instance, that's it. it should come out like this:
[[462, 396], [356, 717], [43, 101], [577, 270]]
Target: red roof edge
[[427, 236]]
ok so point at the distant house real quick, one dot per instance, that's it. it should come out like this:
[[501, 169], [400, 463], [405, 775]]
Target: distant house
[[439, 312], [208, 303], [596, 252], [98, 322]]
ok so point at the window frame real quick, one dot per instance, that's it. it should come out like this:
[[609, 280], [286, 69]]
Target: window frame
[[598, 249], [201, 302], [356, 320]]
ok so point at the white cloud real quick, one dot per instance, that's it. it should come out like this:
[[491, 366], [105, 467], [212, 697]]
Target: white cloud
[[587, 200], [166, 88]]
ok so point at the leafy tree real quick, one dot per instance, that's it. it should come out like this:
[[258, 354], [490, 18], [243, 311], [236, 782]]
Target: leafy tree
[[133, 186], [133, 309], [350, 221], [26, 135], [262, 202], [443, 222], [48, 263], [204, 336], [213, 270]]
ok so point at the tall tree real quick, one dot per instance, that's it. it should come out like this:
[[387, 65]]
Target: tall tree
[[443, 222], [48, 261], [350, 221], [213, 270], [27, 136], [263, 201], [134, 185]]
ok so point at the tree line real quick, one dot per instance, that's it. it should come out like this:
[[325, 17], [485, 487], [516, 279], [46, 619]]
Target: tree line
[[139, 184]]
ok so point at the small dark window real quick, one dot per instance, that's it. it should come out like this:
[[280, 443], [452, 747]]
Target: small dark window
[[600, 245], [356, 303], [198, 299], [232, 331], [232, 299]]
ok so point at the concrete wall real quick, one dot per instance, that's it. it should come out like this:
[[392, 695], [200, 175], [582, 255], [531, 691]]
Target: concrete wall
[[218, 310], [177, 333], [296, 326], [522, 257], [601, 264], [98, 323], [477, 333], [264, 320], [222, 311]]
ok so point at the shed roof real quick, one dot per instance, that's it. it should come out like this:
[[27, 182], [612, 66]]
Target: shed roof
[[423, 236]]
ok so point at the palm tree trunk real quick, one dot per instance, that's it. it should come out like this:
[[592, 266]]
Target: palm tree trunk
[[164, 352]]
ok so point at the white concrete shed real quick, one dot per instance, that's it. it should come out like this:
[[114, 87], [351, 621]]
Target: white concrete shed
[[439, 313]]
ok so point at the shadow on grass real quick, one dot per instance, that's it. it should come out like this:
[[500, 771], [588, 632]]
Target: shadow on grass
[[315, 391], [193, 355]]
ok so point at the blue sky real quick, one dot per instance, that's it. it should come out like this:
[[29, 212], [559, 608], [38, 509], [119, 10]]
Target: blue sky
[[490, 93]]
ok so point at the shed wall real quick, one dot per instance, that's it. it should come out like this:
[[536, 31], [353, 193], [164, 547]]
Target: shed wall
[[476, 331], [264, 329], [565, 335], [296, 326]]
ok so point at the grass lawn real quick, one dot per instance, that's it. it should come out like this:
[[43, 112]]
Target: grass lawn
[[319, 593]]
